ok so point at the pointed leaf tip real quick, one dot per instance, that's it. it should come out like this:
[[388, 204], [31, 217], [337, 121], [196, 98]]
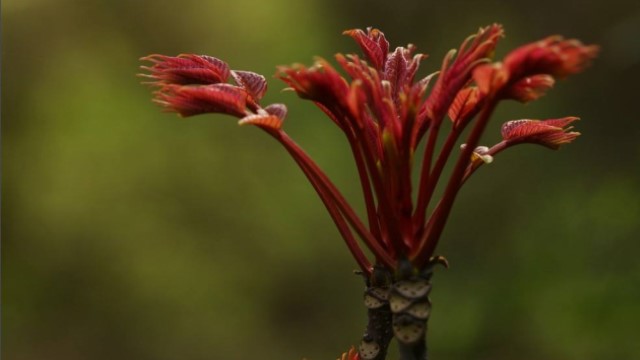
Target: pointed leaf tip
[[373, 44], [279, 110], [255, 84]]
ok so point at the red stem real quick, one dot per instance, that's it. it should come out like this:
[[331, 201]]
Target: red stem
[[338, 219], [441, 214], [372, 215], [330, 192], [493, 151], [423, 194], [432, 181], [384, 203]]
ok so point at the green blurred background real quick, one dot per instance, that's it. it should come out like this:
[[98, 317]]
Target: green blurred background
[[132, 234]]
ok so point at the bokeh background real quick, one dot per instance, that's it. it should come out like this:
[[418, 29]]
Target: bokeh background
[[132, 234]]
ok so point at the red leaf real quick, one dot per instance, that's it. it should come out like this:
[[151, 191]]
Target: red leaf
[[264, 121], [321, 83], [553, 55], [186, 69], [456, 72], [194, 100], [550, 133], [373, 43], [279, 110], [530, 88], [351, 355], [255, 84], [464, 103], [490, 77], [395, 69]]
